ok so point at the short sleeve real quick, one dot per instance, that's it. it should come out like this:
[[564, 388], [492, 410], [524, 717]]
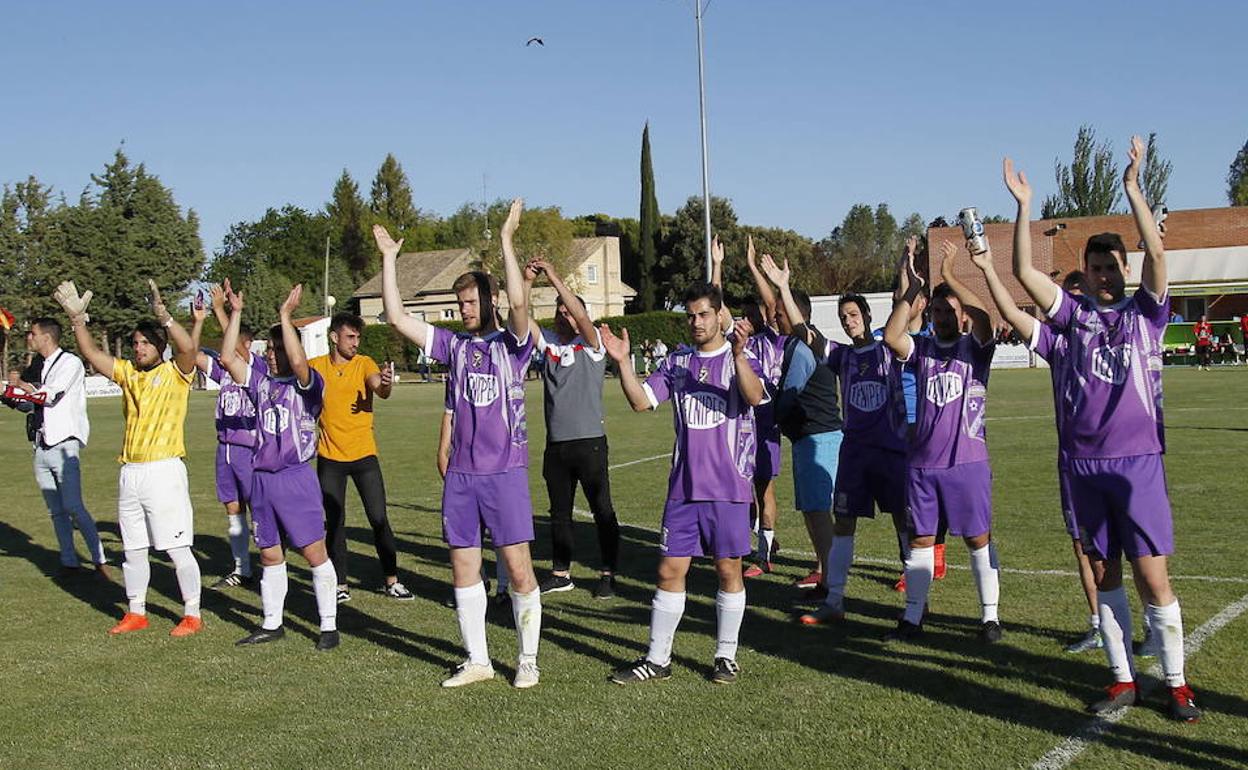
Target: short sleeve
[[981, 354], [519, 347], [439, 342], [123, 370], [255, 376], [919, 346], [658, 386], [1043, 340], [1155, 310], [313, 394], [185, 377], [756, 366], [369, 366], [1063, 311], [836, 356]]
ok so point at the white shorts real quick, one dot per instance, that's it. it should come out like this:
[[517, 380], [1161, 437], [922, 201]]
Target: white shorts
[[154, 505]]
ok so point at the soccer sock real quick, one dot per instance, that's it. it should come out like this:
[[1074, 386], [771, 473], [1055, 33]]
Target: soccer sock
[[987, 581], [920, 564], [187, 570], [665, 613], [237, 533], [136, 573], [1115, 614], [769, 537], [1094, 622], [500, 574], [470, 612], [273, 585], [1167, 624], [729, 612], [526, 611], [325, 584], [839, 558]]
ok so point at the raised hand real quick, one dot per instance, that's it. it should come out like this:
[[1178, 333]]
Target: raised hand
[[158, 304], [235, 300], [512, 222], [1131, 177], [292, 302], [388, 246], [1016, 182], [717, 251], [777, 275], [218, 296], [949, 258], [387, 374], [75, 306], [199, 309], [617, 347], [982, 260], [912, 246], [749, 253], [742, 331], [531, 271]]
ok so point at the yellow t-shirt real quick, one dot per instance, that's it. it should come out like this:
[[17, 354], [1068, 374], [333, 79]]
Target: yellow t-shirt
[[154, 405], [347, 416]]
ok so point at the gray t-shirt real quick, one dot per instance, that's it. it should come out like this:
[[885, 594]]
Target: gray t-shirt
[[573, 375]]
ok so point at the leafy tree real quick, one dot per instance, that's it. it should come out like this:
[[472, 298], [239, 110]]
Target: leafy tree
[[1237, 179], [1089, 186], [1155, 176], [684, 248], [641, 271]]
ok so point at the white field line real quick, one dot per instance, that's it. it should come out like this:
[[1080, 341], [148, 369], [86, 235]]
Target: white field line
[[1066, 751]]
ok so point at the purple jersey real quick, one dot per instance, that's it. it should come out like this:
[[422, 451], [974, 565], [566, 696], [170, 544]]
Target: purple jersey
[[287, 418], [875, 407], [485, 391], [768, 347], [1110, 400], [951, 381], [236, 414], [1050, 344], [713, 457]]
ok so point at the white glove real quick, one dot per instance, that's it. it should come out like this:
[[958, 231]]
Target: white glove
[[66, 295]]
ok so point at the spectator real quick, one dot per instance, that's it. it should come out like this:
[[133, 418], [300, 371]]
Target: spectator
[[1204, 343]]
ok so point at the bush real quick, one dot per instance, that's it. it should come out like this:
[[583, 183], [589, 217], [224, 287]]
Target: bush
[[657, 324]]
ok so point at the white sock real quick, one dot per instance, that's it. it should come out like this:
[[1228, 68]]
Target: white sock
[[765, 538], [1115, 614], [236, 531], [325, 584], [1167, 623], [526, 611], [1094, 622], [273, 585], [729, 612], [500, 574], [136, 573], [187, 570], [665, 613], [920, 565], [984, 570], [840, 556], [470, 611]]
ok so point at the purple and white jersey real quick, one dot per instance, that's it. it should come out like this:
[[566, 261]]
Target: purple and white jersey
[[1110, 399], [951, 381], [768, 347], [713, 456], [236, 414], [875, 407], [287, 413], [485, 391], [1051, 345]]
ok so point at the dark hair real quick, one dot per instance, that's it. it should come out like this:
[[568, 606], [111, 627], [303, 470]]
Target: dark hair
[[1105, 243], [275, 335], [803, 303], [245, 332], [858, 300], [703, 290], [943, 291], [1073, 278], [154, 334], [346, 319], [49, 326]]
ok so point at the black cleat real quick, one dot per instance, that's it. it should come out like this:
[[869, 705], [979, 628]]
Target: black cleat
[[725, 671], [262, 635], [904, 632], [557, 584], [1183, 704], [640, 671], [605, 588], [328, 641], [990, 632]]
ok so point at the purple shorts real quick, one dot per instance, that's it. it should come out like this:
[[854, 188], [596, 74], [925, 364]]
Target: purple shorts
[[495, 501], [234, 473], [766, 459], [1122, 506], [1068, 505], [706, 527], [286, 507], [960, 497], [867, 476]]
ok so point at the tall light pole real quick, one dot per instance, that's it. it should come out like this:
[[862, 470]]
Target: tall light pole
[[698, 8], [328, 305]]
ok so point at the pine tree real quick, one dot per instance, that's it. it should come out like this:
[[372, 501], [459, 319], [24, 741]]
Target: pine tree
[[651, 236], [390, 199], [1089, 186], [1237, 179], [1155, 176], [349, 229]]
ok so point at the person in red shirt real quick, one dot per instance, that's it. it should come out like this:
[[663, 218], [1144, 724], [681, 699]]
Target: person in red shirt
[[1204, 343]]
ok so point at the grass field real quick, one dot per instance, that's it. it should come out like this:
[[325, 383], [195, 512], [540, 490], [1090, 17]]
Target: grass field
[[807, 698]]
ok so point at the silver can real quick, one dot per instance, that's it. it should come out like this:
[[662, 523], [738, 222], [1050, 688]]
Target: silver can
[[973, 230]]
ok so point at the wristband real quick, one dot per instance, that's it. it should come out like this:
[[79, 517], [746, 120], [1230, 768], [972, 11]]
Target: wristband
[[168, 323]]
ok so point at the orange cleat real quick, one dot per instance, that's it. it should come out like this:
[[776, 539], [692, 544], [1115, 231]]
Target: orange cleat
[[941, 567], [189, 625], [900, 585], [129, 622]]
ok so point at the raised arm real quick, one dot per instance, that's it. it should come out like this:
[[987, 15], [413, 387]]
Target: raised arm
[[1024, 325], [75, 306], [415, 329], [748, 381], [766, 295], [517, 289], [185, 347], [780, 277], [221, 313], [1039, 287], [290, 337], [896, 331], [231, 359], [717, 280], [580, 316], [1153, 276], [619, 350], [981, 322]]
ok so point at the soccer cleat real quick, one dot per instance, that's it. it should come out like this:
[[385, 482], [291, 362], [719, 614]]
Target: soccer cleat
[[824, 616], [526, 675], [605, 588], [900, 585], [1146, 647], [234, 580], [557, 584], [941, 567], [262, 635], [757, 570], [1091, 641], [990, 632], [129, 622], [397, 590], [904, 632], [811, 580], [1117, 695], [469, 673], [725, 671], [328, 640], [344, 595], [640, 671], [816, 595], [1183, 704], [191, 624]]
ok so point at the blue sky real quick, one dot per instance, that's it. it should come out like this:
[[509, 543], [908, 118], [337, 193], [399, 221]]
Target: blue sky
[[813, 106]]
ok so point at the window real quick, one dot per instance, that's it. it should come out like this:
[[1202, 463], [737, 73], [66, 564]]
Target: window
[[591, 272], [448, 315]]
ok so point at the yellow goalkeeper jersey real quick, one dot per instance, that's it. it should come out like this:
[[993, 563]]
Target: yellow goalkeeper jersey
[[154, 404]]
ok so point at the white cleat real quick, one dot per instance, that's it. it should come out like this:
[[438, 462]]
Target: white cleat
[[526, 676], [469, 672]]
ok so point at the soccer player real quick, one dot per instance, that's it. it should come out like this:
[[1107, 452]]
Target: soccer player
[[154, 502], [1113, 431], [713, 386], [236, 445], [576, 438], [487, 477], [1204, 343], [949, 479], [285, 495], [348, 450]]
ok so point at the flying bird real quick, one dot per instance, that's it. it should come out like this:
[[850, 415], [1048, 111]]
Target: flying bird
[[533, 40]]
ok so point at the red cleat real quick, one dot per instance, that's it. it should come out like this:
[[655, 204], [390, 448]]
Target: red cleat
[[900, 585], [757, 570], [189, 625], [941, 567], [129, 622], [810, 581]]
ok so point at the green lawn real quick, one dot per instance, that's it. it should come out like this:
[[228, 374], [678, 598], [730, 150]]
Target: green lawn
[[821, 697]]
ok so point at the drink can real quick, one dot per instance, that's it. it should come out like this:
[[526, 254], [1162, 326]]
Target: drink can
[[973, 230]]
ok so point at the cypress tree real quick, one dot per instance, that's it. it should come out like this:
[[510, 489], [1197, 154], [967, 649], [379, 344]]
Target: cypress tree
[[651, 235]]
